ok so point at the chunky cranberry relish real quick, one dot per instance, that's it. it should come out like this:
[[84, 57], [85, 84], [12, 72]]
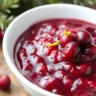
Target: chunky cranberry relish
[[59, 56]]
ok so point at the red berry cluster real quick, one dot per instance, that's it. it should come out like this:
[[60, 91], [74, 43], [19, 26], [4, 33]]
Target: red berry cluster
[[74, 46]]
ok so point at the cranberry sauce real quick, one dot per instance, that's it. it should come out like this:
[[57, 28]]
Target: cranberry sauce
[[59, 56]]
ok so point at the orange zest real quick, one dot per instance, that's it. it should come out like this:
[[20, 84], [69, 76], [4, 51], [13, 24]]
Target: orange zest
[[67, 33], [52, 44]]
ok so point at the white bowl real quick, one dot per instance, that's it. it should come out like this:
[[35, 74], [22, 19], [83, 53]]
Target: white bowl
[[22, 22]]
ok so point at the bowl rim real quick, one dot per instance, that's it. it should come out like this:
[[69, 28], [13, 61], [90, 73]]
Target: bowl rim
[[8, 60]]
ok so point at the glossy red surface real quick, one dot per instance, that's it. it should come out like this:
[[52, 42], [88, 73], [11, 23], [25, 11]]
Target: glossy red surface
[[68, 68]]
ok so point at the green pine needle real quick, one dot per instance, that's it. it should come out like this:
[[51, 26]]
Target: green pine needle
[[5, 12], [4, 21], [6, 4]]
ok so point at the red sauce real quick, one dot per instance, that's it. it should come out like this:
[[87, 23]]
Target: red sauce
[[67, 68]]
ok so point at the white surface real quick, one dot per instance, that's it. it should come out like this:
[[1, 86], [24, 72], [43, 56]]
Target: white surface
[[32, 16]]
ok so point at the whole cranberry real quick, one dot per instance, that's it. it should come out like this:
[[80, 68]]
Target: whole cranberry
[[41, 69], [71, 70], [48, 82], [92, 49], [1, 33], [83, 37], [65, 39], [71, 50], [67, 82], [48, 49], [86, 57], [90, 29], [28, 66], [84, 68], [90, 54], [4, 82], [94, 40]]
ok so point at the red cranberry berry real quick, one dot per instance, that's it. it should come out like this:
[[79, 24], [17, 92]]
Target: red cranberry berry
[[65, 39], [48, 49], [92, 86], [71, 70], [92, 49], [86, 57], [42, 69], [59, 74], [70, 50], [53, 56], [83, 37], [67, 82], [94, 40], [79, 85], [48, 82], [1, 34], [4, 82], [90, 29], [90, 54], [84, 68]]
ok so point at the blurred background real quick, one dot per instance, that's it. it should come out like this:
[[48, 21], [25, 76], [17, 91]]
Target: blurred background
[[9, 9]]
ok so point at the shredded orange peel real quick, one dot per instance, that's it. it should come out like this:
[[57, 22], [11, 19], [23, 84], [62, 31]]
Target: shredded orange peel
[[67, 33], [52, 44]]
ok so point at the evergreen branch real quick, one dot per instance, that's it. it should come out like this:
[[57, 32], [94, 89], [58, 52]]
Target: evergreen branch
[[53, 1], [6, 4], [4, 21]]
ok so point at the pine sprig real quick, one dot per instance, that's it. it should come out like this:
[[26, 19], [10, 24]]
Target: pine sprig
[[5, 5], [5, 12], [5, 20], [84, 2]]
